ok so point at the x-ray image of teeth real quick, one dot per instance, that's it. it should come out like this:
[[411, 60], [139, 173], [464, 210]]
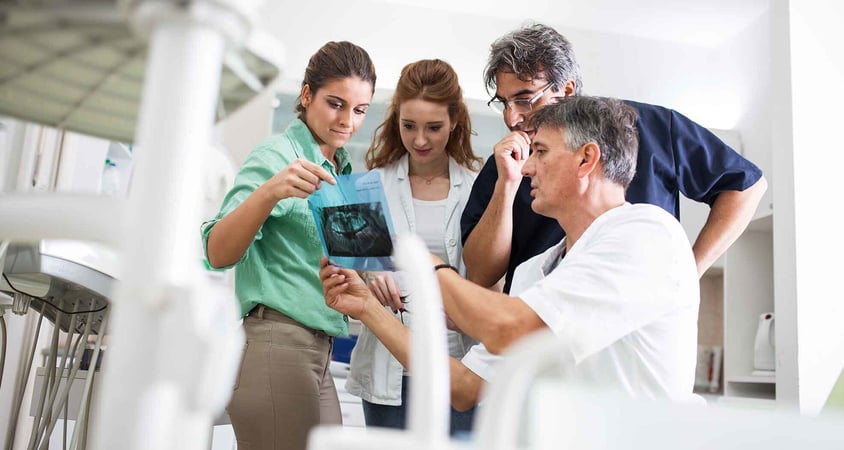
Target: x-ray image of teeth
[[356, 230], [353, 220]]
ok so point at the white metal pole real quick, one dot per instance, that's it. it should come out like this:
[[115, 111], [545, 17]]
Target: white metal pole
[[429, 392], [155, 362]]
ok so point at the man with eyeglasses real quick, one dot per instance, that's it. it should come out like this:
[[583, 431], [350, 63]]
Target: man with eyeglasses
[[534, 66]]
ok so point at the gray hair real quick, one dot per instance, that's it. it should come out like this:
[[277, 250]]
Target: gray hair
[[607, 122], [530, 50]]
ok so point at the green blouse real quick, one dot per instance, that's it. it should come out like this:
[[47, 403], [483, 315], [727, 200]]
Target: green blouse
[[280, 269]]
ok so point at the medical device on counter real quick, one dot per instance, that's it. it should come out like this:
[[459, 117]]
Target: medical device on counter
[[764, 350]]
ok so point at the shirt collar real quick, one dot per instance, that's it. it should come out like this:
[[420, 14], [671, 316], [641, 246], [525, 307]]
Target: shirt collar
[[554, 257], [309, 149], [344, 161]]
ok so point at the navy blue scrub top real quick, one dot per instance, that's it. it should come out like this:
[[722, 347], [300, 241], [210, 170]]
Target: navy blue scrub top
[[675, 155]]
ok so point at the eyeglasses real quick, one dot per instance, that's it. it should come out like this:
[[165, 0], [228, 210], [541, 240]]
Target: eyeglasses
[[522, 105]]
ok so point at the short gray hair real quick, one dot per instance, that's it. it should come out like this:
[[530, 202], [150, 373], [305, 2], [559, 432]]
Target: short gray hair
[[608, 122], [530, 50]]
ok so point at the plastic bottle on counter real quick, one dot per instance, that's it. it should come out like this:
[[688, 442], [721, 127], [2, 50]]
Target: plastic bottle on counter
[[110, 182]]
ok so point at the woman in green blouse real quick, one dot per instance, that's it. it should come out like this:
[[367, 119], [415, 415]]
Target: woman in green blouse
[[266, 231]]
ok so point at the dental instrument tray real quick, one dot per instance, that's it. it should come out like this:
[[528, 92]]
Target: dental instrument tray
[[62, 279]]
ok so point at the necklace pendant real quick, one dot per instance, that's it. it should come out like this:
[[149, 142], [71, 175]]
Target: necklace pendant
[[428, 182]]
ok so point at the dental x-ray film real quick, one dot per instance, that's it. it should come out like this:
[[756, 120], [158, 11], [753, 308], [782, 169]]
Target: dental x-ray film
[[354, 223]]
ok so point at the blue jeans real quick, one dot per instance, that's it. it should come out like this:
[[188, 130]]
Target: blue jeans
[[387, 416]]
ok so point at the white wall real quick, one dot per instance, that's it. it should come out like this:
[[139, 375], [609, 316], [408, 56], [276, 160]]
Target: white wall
[[398, 32], [246, 127], [6, 161], [806, 161], [674, 75], [699, 81], [747, 60], [785, 282], [391, 34]]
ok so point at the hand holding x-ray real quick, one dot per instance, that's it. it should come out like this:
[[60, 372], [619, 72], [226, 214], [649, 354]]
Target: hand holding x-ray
[[344, 290], [385, 288], [300, 178]]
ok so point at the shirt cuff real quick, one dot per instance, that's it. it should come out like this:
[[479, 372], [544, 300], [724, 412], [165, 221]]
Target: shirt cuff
[[480, 361]]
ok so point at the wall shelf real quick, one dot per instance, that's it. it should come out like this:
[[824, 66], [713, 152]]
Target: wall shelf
[[753, 379], [748, 294], [735, 291]]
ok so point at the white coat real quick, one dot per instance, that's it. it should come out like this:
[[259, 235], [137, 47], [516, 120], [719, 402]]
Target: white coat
[[376, 376]]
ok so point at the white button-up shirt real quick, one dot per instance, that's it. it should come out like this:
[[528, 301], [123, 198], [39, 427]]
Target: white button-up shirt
[[624, 300]]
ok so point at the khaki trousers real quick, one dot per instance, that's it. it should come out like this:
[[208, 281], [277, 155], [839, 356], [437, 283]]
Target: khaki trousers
[[284, 387]]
